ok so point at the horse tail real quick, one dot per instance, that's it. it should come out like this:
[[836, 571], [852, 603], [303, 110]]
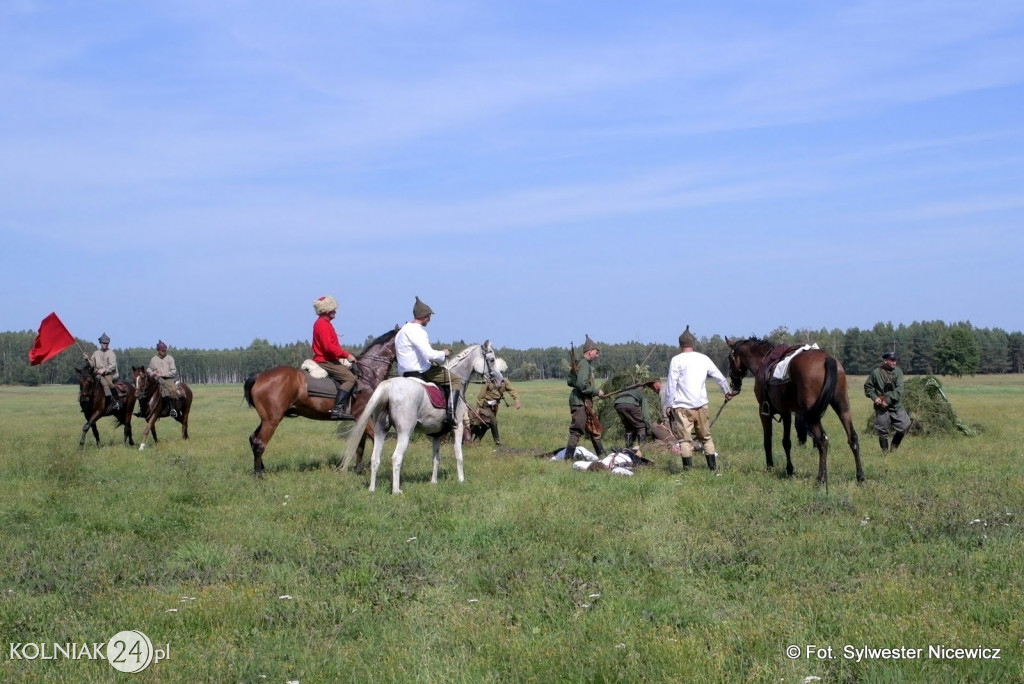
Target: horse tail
[[247, 390], [828, 391], [377, 402]]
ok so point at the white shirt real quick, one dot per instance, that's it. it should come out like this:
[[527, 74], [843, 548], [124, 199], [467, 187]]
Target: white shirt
[[412, 345], [687, 377]]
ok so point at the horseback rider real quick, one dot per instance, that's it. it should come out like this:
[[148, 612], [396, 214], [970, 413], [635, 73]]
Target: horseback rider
[[416, 358], [328, 353], [162, 368], [104, 367]]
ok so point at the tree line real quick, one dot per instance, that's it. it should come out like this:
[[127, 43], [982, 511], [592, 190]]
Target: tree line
[[929, 347]]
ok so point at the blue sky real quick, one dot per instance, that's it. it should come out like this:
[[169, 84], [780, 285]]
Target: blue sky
[[200, 171]]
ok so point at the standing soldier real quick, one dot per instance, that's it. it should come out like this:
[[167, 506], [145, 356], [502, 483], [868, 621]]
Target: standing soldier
[[686, 393], [162, 368], [632, 407], [328, 353], [581, 406], [487, 403], [104, 366], [884, 387]]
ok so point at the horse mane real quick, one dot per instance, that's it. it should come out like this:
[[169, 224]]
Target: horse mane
[[461, 355], [383, 339]]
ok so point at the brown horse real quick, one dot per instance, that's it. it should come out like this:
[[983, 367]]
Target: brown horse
[[152, 407], [95, 406], [285, 392], [816, 381]]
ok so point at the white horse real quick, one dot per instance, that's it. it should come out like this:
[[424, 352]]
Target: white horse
[[403, 403]]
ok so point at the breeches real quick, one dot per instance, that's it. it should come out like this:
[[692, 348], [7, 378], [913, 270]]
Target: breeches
[[632, 417], [439, 375], [898, 420], [686, 421], [340, 373], [168, 388]]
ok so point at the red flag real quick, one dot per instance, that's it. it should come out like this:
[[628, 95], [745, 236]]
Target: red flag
[[53, 338]]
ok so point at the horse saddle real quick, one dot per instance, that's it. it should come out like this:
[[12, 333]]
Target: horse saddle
[[437, 396], [321, 387]]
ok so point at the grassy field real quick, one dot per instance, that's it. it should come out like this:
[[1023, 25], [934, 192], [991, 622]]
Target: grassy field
[[528, 571]]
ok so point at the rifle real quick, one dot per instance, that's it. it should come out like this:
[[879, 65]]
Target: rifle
[[593, 426], [631, 387]]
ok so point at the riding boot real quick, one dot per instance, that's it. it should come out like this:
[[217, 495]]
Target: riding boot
[[712, 460], [340, 404], [896, 439], [883, 442], [115, 405], [598, 446], [449, 412], [687, 462], [494, 431], [169, 405], [629, 440]]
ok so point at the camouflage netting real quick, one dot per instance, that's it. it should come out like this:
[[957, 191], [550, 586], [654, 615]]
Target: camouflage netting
[[613, 432], [930, 410]]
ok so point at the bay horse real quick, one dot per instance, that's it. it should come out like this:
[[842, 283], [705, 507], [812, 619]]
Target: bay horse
[[406, 404], [816, 381], [284, 392], [95, 406], [152, 407]]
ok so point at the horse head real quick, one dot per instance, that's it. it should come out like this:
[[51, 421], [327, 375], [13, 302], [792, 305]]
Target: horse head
[[490, 367], [140, 378], [745, 355], [86, 383]]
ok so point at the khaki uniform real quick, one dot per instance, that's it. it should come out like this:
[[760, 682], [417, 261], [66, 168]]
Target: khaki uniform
[[167, 372], [104, 365]]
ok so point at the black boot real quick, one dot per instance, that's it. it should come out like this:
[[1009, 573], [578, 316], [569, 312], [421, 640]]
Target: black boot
[[115, 405], [884, 443], [340, 404], [897, 438], [687, 462], [629, 440], [712, 460], [494, 431], [449, 412], [598, 446]]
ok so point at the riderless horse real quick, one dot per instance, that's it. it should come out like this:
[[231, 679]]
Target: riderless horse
[[285, 391], [152, 407], [95, 406], [816, 381], [406, 404]]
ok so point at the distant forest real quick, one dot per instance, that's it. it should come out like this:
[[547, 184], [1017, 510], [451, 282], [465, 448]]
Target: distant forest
[[929, 347]]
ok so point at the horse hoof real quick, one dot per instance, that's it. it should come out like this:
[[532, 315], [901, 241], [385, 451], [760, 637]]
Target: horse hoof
[[142, 447]]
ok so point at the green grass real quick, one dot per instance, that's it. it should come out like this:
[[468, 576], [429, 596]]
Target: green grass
[[528, 571]]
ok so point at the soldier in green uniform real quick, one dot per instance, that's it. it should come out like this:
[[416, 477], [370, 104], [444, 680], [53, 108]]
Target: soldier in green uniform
[[485, 417], [632, 407], [884, 387], [584, 389]]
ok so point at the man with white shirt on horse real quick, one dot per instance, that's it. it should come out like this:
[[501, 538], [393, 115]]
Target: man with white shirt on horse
[[416, 358]]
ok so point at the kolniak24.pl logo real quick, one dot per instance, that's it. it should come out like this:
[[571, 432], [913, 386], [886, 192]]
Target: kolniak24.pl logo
[[128, 651]]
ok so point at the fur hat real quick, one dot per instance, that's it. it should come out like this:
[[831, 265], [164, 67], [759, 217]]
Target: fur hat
[[589, 345], [421, 310], [687, 339], [325, 304], [104, 339], [161, 346]]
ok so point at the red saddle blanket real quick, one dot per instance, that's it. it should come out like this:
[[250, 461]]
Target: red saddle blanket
[[436, 396]]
